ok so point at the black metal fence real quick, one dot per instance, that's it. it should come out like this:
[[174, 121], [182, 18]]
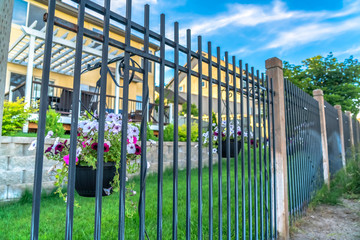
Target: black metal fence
[[304, 154], [333, 138], [347, 141], [238, 200]]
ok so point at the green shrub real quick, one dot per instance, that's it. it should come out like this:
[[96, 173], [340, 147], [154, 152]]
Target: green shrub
[[53, 124], [150, 133], [15, 116], [194, 111], [169, 133]]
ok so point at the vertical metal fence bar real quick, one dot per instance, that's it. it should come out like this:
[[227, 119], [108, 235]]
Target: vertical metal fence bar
[[243, 187], [35, 215], [300, 156], [200, 59], [176, 130], [188, 137], [266, 215], [296, 148], [124, 126], [228, 210], [260, 192], [145, 97], [74, 122], [254, 151], [219, 142], [274, 157], [211, 202], [161, 128], [236, 154], [101, 134], [248, 149], [269, 160]]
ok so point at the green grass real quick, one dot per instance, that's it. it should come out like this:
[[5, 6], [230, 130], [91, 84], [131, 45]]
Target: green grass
[[344, 184], [21, 134], [15, 218]]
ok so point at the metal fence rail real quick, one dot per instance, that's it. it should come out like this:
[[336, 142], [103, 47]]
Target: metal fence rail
[[333, 138], [304, 155], [347, 141], [246, 186]]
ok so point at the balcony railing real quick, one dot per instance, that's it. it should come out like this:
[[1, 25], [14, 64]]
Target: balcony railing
[[60, 99]]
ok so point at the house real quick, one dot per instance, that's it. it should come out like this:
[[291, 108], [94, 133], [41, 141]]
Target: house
[[26, 51], [205, 91]]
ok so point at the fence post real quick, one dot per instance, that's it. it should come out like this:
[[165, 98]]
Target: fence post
[[351, 129], [319, 96], [274, 71], [341, 132]]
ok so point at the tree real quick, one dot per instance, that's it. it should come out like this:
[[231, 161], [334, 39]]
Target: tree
[[340, 81]]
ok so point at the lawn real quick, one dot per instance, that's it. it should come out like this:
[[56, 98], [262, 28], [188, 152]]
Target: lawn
[[15, 218]]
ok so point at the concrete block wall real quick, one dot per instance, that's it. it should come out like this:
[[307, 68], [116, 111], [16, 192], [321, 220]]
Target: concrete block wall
[[17, 164]]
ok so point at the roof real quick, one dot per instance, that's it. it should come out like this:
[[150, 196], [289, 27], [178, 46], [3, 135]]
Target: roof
[[63, 50], [70, 10]]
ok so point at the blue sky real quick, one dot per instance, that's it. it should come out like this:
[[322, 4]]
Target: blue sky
[[254, 30]]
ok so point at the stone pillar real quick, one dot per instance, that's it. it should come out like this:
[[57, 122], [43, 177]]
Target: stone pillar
[[319, 96], [6, 9], [351, 129], [341, 132], [274, 71]]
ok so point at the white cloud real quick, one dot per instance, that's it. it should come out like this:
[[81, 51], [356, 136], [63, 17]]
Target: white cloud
[[250, 15], [350, 51], [313, 32]]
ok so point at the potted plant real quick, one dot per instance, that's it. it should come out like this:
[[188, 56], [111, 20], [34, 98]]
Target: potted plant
[[235, 136], [86, 156]]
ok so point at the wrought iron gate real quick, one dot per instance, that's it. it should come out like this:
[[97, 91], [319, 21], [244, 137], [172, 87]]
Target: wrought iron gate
[[247, 92]]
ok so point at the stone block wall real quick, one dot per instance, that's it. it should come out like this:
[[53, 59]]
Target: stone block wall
[[17, 164]]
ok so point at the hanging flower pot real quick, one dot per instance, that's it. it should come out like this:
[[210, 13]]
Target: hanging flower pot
[[232, 148], [85, 181]]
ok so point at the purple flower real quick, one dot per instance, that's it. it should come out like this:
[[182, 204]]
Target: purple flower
[[131, 149], [59, 148], [239, 133], [106, 147], [137, 150], [48, 149]]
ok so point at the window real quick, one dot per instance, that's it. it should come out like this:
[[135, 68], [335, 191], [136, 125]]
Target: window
[[203, 84], [15, 81], [181, 89], [138, 104], [20, 12], [36, 14]]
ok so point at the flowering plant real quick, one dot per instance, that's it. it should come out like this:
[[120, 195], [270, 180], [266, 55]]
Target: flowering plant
[[87, 147], [217, 136]]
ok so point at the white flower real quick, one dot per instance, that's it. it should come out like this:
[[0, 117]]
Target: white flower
[[116, 128], [152, 142], [49, 134], [82, 124], [32, 146], [55, 143], [214, 150], [112, 117], [215, 138], [148, 165], [87, 127], [126, 178], [131, 148], [78, 151], [134, 192]]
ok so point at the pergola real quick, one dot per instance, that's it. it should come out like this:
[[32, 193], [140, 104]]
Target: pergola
[[28, 50]]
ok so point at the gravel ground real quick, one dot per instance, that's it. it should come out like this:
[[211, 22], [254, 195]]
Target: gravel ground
[[329, 222]]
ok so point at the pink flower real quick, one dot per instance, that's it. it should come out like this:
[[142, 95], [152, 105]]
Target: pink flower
[[132, 140], [83, 144], [66, 159], [94, 146], [106, 147]]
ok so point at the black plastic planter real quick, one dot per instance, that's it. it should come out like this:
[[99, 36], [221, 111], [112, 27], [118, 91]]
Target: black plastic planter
[[223, 153], [85, 183]]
